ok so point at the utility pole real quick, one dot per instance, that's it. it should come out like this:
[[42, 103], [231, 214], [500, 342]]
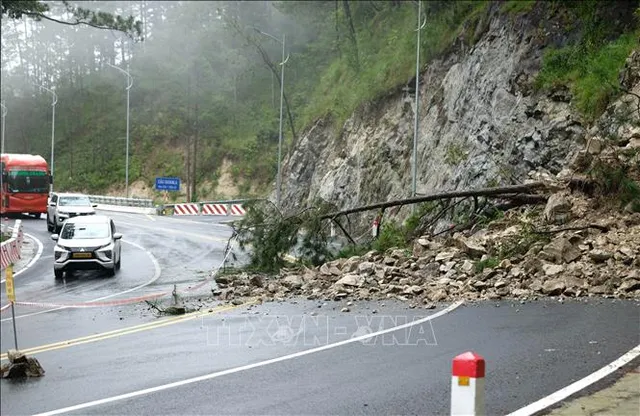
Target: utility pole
[[4, 114], [54, 101], [282, 63], [194, 195], [414, 161], [129, 85]]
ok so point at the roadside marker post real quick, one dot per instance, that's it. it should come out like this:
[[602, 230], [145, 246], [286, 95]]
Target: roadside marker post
[[467, 385], [11, 296]]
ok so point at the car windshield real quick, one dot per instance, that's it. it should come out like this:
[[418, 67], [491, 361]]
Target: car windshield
[[28, 181], [74, 200], [74, 230]]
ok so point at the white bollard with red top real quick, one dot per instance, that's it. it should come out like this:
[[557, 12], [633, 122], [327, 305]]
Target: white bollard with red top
[[467, 385]]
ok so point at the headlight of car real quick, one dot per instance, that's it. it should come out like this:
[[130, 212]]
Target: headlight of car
[[61, 253], [63, 215], [105, 253]]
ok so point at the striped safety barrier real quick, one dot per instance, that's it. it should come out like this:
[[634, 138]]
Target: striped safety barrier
[[214, 209], [237, 209], [186, 209], [10, 249]]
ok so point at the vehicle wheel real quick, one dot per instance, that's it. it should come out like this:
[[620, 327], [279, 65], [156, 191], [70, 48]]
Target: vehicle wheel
[[111, 272], [49, 226], [58, 273], [118, 263]]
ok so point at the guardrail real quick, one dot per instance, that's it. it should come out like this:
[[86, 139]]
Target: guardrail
[[11, 248], [232, 207], [116, 200]]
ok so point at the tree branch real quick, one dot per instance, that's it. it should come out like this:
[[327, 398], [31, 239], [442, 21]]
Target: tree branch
[[502, 192]]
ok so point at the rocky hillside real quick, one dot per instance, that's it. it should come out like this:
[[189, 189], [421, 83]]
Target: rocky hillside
[[481, 123], [584, 241]]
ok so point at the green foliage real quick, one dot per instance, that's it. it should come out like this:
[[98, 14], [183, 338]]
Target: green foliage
[[519, 244], [392, 235], [591, 66], [16, 9], [454, 155], [387, 57], [615, 181], [269, 237], [518, 6], [351, 251], [412, 223], [488, 263]]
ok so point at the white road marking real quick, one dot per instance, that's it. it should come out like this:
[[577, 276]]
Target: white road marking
[[246, 367], [565, 392], [150, 217], [33, 260], [155, 277]]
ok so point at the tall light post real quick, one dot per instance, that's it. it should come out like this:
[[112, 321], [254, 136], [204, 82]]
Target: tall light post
[[414, 163], [4, 114], [54, 101], [129, 84], [284, 61]]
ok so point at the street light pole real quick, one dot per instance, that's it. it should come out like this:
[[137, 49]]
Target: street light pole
[[54, 101], [4, 114], [129, 84], [414, 163], [284, 61]]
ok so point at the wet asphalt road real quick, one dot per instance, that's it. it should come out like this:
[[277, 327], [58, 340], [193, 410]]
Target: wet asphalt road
[[157, 252], [531, 350]]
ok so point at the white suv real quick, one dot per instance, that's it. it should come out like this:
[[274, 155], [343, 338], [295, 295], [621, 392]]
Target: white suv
[[63, 206], [87, 243]]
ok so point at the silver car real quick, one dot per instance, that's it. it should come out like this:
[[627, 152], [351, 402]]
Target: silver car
[[87, 243], [63, 206]]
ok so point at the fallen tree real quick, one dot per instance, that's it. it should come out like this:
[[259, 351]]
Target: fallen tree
[[272, 235]]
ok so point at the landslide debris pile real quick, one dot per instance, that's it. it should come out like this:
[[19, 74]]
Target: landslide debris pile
[[562, 249], [584, 242]]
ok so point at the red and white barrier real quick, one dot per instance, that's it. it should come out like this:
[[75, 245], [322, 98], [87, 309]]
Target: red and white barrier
[[10, 249], [237, 209], [214, 209], [186, 209], [221, 209], [467, 385]]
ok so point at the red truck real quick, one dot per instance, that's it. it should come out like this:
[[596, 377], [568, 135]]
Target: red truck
[[25, 184]]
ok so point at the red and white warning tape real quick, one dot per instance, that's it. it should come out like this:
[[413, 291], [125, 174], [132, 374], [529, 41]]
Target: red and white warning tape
[[127, 301]]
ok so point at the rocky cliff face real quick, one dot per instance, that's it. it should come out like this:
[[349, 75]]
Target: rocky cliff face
[[480, 124]]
